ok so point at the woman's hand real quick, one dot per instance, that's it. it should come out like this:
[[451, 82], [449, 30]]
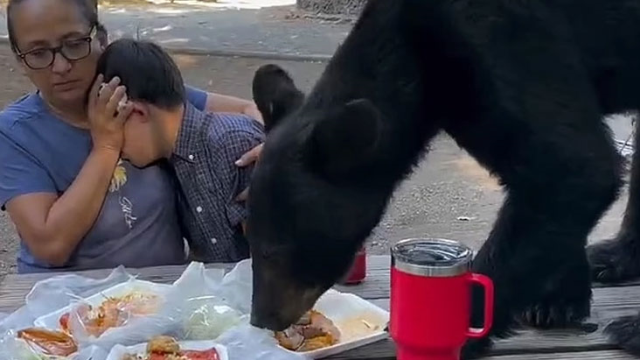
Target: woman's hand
[[250, 156], [247, 159], [108, 109]]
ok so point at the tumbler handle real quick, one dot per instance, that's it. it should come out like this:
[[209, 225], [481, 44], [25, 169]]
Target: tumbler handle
[[487, 284]]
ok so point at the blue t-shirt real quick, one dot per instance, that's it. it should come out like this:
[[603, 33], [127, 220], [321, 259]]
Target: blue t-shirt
[[138, 223]]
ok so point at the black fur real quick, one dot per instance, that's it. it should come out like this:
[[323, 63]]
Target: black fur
[[521, 85], [618, 259], [278, 94]]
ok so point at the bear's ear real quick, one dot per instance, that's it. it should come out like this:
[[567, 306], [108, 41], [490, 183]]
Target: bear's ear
[[275, 94], [344, 140]]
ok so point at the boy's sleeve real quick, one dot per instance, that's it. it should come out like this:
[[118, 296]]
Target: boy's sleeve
[[236, 179]]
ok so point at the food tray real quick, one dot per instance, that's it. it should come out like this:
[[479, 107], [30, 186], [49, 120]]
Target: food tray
[[351, 315], [118, 351], [51, 320]]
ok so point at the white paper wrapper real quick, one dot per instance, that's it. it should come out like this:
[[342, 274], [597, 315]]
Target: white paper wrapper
[[55, 293], [51, 320], [134, 329], [206, 313], [201, 303]]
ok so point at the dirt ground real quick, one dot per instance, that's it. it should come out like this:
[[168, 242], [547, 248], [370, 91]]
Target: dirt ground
[[448, 197]]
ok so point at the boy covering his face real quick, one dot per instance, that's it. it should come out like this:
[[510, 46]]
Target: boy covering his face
[[199, 148]]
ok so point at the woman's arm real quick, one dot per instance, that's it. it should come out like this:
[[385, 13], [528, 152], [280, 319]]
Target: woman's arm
[[231, 104], [52, 226]]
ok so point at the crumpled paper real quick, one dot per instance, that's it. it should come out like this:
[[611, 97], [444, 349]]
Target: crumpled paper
[[194, 289]]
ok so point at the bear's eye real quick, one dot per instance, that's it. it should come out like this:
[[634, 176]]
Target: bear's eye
[[270, 253], [267, 254], [273, 251]]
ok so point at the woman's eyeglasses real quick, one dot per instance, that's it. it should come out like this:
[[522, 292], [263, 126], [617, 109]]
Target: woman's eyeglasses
[[72, 50]]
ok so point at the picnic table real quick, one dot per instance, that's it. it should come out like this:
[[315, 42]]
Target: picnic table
[[609, 303]]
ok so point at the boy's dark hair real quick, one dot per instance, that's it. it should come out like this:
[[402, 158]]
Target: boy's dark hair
[[148, 72], [88, 9]]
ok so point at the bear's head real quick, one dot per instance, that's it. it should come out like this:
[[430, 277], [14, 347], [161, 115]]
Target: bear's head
[[312, 200]]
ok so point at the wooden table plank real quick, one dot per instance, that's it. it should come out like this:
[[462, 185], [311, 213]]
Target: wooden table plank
[[609, 303], [375, 263], [591, 355], [583, 355], [15, 287]]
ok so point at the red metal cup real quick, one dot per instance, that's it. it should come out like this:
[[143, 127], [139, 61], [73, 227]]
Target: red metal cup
[[431, 299], [358, 270]]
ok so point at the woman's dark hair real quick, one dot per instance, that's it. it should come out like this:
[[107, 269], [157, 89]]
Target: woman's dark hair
[[88, 9], [148, 72]]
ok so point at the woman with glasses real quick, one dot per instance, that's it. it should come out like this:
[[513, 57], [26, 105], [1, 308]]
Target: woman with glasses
[[75, 204]]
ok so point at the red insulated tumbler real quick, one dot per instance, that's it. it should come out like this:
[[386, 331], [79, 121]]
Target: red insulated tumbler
[[358, 270], [431, 299]]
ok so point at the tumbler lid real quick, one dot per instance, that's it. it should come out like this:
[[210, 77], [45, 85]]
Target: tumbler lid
[[431, 257]]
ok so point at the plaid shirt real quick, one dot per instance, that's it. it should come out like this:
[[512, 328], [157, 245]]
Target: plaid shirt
[[207, 148]]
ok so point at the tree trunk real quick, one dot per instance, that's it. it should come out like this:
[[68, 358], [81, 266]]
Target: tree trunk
[[332, 7]]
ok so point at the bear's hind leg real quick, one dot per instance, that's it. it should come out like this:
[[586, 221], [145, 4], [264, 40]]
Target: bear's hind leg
[[618, 259]]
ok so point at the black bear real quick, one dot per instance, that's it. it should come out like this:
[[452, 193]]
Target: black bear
[[521, 85]]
